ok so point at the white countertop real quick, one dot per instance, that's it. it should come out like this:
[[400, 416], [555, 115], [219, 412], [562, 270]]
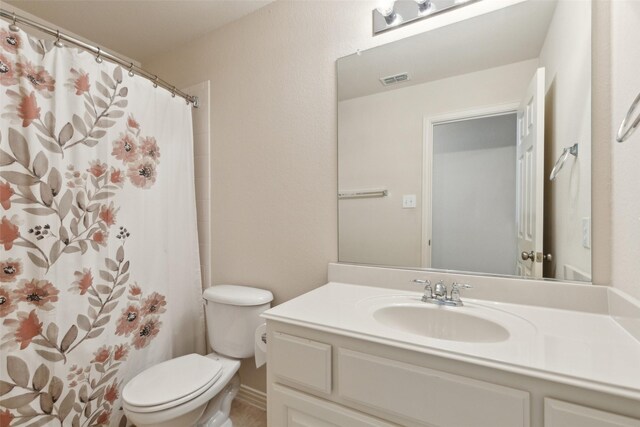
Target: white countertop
[[584, 349]]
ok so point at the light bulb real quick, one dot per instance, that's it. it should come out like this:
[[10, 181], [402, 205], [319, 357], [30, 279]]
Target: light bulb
[[424, 6], [385, 7]]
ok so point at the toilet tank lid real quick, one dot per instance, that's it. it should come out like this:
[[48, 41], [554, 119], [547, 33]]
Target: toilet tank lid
[[237, 295]]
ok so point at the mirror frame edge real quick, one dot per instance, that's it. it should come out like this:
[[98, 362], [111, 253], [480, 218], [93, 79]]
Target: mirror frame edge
[[601, 130]]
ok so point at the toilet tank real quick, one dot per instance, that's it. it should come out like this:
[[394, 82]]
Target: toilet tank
[[232, 315]]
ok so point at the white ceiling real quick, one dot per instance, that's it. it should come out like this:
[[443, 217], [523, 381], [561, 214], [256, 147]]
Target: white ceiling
[[138, 29], [509, 35]]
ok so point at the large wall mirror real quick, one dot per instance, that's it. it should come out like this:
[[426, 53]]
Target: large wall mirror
[[468, 147]]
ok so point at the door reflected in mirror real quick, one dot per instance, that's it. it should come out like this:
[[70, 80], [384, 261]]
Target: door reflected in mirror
[[448, 139]]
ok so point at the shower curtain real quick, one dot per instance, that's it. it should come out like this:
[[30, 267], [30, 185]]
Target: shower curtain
[[99, 264]]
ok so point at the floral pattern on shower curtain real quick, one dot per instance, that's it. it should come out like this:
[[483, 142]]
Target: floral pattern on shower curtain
[[99, 266]]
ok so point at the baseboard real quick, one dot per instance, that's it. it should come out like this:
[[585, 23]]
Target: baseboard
[[252, 397]]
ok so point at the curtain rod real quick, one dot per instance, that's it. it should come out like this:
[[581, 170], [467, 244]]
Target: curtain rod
[[130, 66]]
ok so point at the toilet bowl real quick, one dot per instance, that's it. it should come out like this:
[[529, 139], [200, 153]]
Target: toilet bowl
[[196, 390], [178, 392]]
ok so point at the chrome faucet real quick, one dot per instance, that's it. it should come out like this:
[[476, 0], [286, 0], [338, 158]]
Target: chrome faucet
[[439, 294]]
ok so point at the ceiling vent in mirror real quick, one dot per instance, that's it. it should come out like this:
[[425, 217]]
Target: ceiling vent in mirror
[[397, 78]]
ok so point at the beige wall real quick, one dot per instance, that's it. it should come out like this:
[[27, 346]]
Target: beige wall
[[566, 56], [625, 80], [202, 175], [381, 145], [33, 31]]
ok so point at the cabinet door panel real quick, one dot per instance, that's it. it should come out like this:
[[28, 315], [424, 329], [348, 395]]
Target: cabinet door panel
[[301, 419], [426, 395], [290, 408], [301, 361], [563, 414]]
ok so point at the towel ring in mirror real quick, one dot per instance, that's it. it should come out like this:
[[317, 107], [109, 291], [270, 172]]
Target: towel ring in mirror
[[573, 150], [627, 127]]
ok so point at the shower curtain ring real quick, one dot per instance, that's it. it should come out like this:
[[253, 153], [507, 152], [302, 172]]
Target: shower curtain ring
[[173, 92], [155, 81], [98, 58], [131, 70], [57, 43], [14, 25]]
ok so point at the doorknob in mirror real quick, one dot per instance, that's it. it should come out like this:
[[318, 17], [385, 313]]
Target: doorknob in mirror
[[528, 256], [532, 256]]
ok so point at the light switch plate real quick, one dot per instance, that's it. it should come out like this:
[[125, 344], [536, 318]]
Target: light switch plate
[[409, 201]]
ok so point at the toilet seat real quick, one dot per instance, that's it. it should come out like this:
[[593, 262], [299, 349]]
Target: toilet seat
[[154, 416], [171, 383]]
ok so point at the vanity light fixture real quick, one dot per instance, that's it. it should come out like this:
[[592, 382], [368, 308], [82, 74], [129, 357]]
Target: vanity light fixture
[[387, 10], [392, 14], [424, 7]]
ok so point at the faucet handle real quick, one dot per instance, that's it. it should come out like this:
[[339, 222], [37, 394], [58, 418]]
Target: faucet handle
[[455, 290], [428, 292], [425, 282]]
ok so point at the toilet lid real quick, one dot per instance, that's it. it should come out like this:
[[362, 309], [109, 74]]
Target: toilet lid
[[172, 381]]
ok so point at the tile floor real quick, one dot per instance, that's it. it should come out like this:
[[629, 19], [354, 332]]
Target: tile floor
[[245, 415]]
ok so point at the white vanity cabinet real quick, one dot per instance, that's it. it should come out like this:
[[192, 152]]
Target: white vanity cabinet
[[323, 383], [321, 379]]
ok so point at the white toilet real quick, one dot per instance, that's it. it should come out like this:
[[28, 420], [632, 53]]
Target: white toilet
[[195, 390]]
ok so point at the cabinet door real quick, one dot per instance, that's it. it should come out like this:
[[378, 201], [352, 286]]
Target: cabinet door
[[301, 361], [290, 408], [427, 396], [563, 414]]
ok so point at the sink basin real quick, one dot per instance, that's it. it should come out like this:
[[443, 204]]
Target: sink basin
[[444, 323]]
